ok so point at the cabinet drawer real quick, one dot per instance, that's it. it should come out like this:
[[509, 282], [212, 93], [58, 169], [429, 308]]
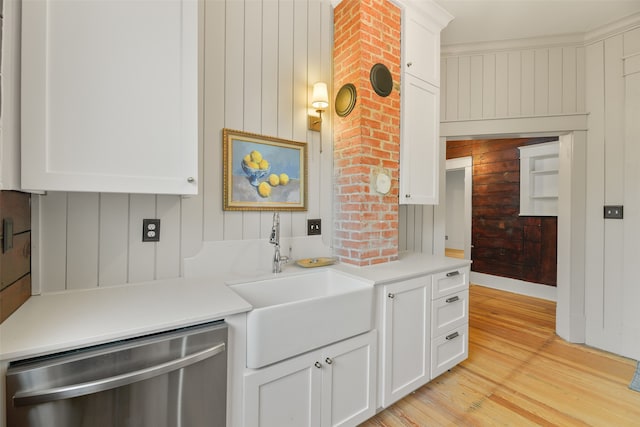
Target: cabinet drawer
[[449, 349], [449, 282], [447, 313]]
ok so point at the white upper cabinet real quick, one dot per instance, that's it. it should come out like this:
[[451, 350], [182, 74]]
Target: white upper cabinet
[[109, 96], [420, 103], [422, 49], [10, 96]]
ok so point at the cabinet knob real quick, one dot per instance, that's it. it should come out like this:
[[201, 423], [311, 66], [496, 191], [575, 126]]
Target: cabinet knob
[[191, 180], [328, 360], [392, 296], [317, 365], [407, 195], [409, 64]]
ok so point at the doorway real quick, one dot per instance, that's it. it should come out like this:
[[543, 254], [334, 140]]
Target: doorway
[[458, 197]]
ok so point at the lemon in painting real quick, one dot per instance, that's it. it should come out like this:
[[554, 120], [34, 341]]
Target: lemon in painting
[[256, 156], [253, 165], [264, 164], [284, 179], [274, 180], [247, 159], [264, 189]]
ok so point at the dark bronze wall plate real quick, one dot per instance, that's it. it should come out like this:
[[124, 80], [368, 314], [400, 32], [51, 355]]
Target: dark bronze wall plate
[[346, 100], [381, 80]]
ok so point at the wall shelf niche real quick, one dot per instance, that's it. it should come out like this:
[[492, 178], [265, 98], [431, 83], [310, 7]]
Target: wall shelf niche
[[539, 179]]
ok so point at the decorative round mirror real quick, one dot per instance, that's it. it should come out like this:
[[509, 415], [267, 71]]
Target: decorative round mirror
[[381, 80], [345, 100]]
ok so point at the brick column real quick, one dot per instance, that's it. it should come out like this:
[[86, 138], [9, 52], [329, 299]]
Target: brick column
[[366, 32]]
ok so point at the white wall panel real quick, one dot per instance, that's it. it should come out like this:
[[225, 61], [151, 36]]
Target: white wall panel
[[569, 80], [476, 87], [258, 62], [502, 84], [488, 86], [514, 84], [114, 236], [464, 87], [541, 88], [451, 90], [555, 80], [82, 240], [527, 91]]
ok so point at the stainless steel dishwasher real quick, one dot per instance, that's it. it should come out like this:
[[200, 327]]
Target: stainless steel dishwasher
[[171, 379]]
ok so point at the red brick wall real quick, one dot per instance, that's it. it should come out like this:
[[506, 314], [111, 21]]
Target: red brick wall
[[366, 32]]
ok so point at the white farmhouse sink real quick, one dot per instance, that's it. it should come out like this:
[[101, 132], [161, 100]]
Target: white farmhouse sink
[[297, 313]]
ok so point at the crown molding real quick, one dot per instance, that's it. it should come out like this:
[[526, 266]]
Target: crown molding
[[575, 39]]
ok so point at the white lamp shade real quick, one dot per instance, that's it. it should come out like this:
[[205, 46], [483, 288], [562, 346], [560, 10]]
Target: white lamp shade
[[320, 98]]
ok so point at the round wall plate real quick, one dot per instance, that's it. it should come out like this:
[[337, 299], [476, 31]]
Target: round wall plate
[[381, 80], [346, 100]]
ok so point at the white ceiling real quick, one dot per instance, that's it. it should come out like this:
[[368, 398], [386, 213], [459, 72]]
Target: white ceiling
[[493, 20]]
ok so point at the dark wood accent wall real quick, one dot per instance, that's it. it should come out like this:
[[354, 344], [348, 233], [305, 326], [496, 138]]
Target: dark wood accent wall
[[15, 262], [504, 243]]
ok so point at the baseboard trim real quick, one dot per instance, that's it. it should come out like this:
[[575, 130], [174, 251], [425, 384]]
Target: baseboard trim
[[514, 285]]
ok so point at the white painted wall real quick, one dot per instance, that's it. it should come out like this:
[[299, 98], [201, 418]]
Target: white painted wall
[[259, 61], [455, 224]]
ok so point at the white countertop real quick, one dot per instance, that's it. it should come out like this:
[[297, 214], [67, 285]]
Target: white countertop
[[73, 319]]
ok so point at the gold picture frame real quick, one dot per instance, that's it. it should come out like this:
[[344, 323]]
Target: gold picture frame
[[263, 173]]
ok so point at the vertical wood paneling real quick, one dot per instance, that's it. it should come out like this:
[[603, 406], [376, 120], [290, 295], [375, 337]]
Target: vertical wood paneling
[[489, 86], [141, 254], [541, 79], [114, 238], [632, 42], [167, 252], [210, 214], [476, 87], [569, 80], [452, 89], [581, 84], [502, 84], [614, 231], [82, 240], [514, 83], [555, 80], [52, 249], [527, 102], [464, 87], [594, 245], [252, 118], [402, 227], [234, 93], [443, 85]]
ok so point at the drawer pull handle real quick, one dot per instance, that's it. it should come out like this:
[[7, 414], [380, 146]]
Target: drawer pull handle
[[328, 360], [317, 365], [452, 299], [453, 273], [392, 296], [452, 336]]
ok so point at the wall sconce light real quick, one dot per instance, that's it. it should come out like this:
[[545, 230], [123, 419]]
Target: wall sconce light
[[319, 101]]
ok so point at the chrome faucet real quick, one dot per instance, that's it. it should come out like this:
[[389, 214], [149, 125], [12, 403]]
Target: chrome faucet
[[278, 259]]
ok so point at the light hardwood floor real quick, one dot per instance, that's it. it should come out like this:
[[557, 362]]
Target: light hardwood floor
[[519, 373]]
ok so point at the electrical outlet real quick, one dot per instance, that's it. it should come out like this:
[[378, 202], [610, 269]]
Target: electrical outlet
[[314, 227], [613, 212], [150, 230]]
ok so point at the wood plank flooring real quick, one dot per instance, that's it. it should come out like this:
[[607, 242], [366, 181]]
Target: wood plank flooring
[[519, 373]]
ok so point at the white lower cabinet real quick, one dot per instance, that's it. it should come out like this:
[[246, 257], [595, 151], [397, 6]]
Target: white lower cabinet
[[404, 322], [332, 386], [449, 320]]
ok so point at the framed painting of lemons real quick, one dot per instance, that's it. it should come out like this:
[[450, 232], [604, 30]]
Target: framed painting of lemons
[[263, 173]]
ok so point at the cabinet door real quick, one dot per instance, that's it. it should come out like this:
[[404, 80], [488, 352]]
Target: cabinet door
[[349, 381], [419, 143], [421, 49], [110, 96], [286, 394], [406, 338]]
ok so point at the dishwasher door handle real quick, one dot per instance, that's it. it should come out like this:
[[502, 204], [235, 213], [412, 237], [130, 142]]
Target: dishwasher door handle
[[24, 398]]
